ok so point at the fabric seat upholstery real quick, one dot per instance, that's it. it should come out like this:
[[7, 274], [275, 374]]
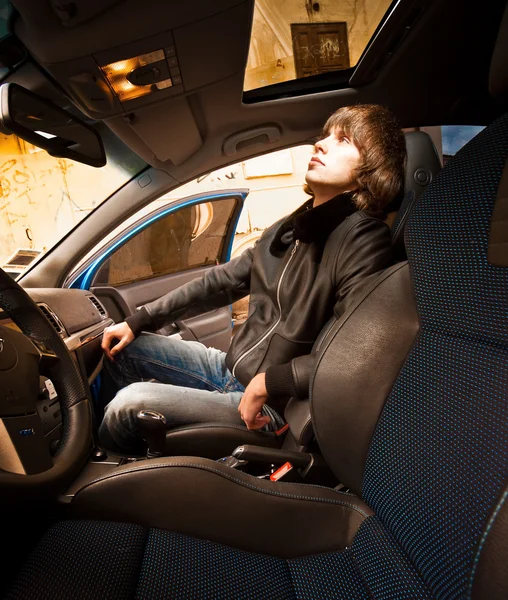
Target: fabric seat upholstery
[[154, 563], [435, 472]]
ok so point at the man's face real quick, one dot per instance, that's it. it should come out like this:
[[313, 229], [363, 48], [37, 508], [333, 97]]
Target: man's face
[[332, 167]]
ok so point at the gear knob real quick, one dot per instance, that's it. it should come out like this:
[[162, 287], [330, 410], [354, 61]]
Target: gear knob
[[153, 429]]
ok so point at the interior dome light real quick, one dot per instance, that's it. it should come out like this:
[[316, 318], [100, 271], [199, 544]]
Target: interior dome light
[[139, 76]]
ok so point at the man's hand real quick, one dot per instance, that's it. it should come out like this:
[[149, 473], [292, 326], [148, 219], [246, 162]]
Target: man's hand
[[120, 331], [252, 402]]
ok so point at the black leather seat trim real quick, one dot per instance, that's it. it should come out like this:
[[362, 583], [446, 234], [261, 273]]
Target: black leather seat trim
[[422, 166], [215, 440], [298, 416], [356, 370], [216, 426], [288, 520]]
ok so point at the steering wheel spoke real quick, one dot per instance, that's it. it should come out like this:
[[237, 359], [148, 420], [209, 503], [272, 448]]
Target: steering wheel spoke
[[47, 357], [19, 370], [24, 449]]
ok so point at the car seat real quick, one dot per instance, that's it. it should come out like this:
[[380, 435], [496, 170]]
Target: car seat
[[409, 402]]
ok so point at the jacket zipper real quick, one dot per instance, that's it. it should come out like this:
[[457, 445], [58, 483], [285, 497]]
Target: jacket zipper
[[247, 352]]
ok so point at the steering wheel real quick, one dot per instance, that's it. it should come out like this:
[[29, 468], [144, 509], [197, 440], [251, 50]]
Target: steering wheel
[[23, 357]]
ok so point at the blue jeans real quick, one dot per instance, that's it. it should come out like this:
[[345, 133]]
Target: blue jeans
[[193, 385]]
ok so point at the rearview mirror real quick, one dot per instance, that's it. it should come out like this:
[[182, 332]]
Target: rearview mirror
[[48, 126]]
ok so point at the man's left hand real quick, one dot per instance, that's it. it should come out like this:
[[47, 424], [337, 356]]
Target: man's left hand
[[252, 402]]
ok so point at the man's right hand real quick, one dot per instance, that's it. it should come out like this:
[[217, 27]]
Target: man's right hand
[[121, 332]]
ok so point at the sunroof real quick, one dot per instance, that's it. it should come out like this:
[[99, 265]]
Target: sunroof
[[291, 39]]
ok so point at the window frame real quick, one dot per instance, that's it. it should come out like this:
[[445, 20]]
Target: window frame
[[83, 278]]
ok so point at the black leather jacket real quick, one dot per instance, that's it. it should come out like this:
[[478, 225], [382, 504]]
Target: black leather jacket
[[300, 273]]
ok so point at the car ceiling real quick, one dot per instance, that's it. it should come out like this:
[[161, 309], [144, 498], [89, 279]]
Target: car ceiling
[[430, 69]]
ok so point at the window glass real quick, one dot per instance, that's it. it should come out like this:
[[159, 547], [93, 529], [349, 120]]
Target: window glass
[[456, 136], [190, 237], [274, 182], [42, 198], [449, 139], [291, 39]]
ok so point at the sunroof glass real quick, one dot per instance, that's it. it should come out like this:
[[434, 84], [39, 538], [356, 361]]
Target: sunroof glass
[[291, 39]]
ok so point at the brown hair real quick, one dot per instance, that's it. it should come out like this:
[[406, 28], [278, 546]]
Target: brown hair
[[381, 143]]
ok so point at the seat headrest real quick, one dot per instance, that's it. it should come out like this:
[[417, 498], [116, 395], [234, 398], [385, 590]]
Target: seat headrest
[[498, 76], [422, 166], [422, 163]]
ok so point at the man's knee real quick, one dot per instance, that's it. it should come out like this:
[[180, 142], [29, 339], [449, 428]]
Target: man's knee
[[127, 402], [119, 428]]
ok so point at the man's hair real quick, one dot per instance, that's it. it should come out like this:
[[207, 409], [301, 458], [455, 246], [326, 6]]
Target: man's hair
[[375, 132]]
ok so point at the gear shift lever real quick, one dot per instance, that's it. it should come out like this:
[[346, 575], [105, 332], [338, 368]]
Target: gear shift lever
[[153, 430]]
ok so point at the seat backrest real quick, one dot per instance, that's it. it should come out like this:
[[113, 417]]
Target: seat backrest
[[410, 392], [422, 166]]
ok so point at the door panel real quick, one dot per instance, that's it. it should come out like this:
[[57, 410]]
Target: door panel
[[164, 250], [212, 328]]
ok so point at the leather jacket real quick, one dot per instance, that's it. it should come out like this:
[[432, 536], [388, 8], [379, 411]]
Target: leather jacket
[[301, 272]]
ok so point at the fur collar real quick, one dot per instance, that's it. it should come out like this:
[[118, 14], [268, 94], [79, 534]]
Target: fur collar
[[309, 224]]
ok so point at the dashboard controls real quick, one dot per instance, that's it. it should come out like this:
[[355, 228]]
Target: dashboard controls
[[53, 447]]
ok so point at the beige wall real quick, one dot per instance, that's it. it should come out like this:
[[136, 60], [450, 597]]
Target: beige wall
[[275, 187], [271, 50]]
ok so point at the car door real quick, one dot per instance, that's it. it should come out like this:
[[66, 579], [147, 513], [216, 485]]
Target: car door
[[163, 250]]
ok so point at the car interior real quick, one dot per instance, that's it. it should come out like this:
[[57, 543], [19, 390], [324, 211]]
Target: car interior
[[390, 480]]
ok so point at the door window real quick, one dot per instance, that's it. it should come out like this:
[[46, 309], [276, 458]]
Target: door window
[[190, 237]]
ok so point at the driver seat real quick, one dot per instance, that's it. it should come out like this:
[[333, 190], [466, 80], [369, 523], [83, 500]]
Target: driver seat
[[409, 408], [214, 440]]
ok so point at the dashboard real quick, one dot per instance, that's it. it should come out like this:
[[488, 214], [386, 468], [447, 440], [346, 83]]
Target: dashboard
[[78, 317]]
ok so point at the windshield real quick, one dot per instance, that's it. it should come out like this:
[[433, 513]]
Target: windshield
[[42, 198]]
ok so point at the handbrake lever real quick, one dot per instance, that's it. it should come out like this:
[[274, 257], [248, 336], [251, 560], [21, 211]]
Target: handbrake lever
[[260, 454]]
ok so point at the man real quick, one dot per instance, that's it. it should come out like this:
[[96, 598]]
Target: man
[[301, 271]]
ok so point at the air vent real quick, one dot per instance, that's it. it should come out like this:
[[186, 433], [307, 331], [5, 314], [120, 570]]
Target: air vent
[[98, 305], [52, 318], [22, 258]]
